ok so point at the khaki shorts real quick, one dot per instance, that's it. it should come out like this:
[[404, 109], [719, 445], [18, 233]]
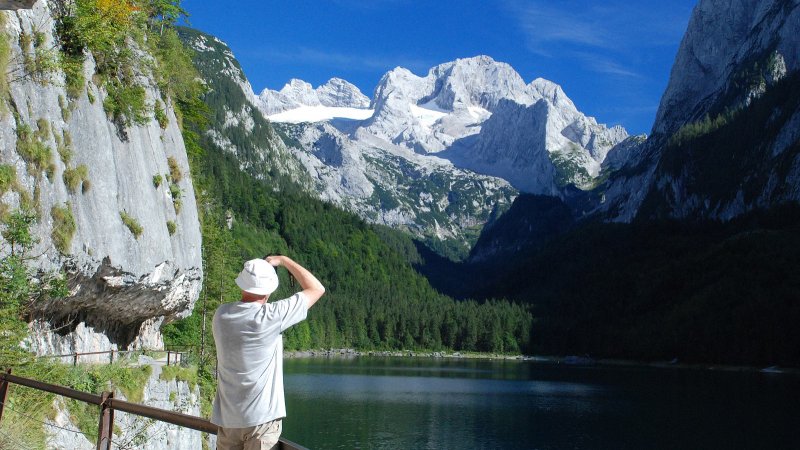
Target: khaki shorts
[[259, 437]]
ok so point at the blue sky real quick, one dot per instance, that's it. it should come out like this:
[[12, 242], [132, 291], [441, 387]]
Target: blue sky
[[612, 58]]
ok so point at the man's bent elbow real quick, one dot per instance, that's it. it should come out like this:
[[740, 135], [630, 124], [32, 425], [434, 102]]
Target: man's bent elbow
[[314, 294]]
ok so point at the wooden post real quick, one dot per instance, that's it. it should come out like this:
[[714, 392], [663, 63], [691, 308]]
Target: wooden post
[[75, 359], [112, 357], [106, 425], [3, 393], [167, 357]]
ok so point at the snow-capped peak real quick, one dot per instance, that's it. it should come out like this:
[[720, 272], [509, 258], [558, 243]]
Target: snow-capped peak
[[537, 128], [335, 93]]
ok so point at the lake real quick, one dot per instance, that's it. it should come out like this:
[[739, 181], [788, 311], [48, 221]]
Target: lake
[[433, 403]]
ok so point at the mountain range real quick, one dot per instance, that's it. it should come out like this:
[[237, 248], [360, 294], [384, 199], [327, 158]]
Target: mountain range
[[677, 242], [445, 153], [608, 234]]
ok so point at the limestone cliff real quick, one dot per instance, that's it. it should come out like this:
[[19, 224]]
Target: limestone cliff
[[115, 203]]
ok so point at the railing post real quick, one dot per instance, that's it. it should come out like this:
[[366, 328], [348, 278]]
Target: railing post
[[168, 357], [3, 393], [106, 426], [75, 359], [112, 357]]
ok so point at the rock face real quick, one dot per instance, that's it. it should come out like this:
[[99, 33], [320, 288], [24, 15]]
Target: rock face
[[734, 72], [394, 186], [123, 287], [723, 39]]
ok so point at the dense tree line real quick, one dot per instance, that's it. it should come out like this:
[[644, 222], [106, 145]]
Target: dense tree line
[[657, 290], [375, 298]]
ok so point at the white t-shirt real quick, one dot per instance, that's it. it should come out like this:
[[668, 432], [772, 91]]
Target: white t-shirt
[[250, 360]]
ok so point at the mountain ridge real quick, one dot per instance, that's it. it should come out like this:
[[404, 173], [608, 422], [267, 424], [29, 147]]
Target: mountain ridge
[[443, 114]]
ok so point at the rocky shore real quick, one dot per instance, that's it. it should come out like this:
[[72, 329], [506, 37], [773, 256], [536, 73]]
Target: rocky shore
[[352, 353], [565, 360]]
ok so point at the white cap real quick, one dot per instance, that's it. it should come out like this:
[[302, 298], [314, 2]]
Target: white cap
[[258, 277]]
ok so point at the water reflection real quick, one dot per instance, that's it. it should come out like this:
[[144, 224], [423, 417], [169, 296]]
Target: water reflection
[[424, 403]]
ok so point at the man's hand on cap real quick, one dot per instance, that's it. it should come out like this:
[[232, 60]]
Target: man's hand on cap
[[275, 261]]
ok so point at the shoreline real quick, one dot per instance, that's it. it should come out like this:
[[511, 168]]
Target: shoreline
[[573, 361]]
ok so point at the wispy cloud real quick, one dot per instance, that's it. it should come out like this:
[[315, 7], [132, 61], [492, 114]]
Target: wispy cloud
[[341, 61], [598, 35], [602, 64], [545, 24]]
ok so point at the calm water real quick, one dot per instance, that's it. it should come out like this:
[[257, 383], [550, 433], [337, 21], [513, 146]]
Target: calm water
[[396, 403]]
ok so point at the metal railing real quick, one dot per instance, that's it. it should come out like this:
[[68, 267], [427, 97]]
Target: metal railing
[[108, 404], [173, 356]]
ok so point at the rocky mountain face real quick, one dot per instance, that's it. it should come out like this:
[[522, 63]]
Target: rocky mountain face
[[130, 246], [466, 117], [725, 139], [237, 126], [394, 186], [383, 183], [490, 121]]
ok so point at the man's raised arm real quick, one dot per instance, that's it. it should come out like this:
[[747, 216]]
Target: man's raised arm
[[312, 288]]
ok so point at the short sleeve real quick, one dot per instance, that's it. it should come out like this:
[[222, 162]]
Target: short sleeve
[[291, 310]]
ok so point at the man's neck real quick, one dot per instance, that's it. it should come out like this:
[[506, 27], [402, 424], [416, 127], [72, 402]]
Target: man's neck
[[253, 298]]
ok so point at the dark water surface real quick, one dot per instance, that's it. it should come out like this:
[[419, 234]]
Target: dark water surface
[[427, 403]]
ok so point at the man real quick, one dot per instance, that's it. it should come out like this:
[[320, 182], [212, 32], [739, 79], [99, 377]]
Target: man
[[249, 405]]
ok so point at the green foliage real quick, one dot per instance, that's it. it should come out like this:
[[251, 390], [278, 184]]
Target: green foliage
[[8, 178], [737, 158], [384, 197], [171, 227], [157, 180], [699, 292], [73, 73], [64, 146], [101, 26], [160, 115], [65, 111], [174, 170], [175, 192], [178, 373], [126, 103], [17, 232], [63, 227], [38, 61], [77, 177], [164, 12], [569, 167], [694, 130], [20, 285], [5, 55], [31, 147], [175, 74], [109, 29], [131, 223]]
